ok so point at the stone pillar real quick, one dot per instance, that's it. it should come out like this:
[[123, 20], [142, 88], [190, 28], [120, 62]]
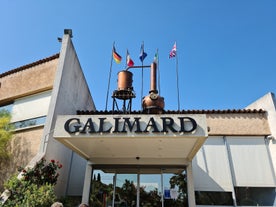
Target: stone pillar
[[190, 185], [87, 183]]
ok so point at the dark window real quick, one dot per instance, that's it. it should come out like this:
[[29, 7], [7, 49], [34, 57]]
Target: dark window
[[29, 122], [213, 198], [255, 196]]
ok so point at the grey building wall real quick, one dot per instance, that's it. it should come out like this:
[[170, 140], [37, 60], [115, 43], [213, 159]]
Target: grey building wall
[[268, 103], [70, 93], [227, 162]]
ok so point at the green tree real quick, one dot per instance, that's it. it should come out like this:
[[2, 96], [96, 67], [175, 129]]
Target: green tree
[[100, 192], [99, 177], [5, 134], [179, 180], [128, 192]]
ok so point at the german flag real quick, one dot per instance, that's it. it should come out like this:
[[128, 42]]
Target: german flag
[[116, 56]]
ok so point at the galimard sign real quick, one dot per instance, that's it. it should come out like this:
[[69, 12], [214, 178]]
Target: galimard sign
[[130, 125]]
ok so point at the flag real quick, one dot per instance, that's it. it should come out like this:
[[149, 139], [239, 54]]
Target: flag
[[143, 55], [116, 56], [173, 51], [129, 60], [155, 59]]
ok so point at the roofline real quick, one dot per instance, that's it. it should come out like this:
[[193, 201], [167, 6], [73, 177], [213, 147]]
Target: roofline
[[228, 111], [24, 67]]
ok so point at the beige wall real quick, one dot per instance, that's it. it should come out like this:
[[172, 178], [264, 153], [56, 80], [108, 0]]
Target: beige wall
[[24, 146], [238, 124], [26, 143], [23, 81], [29, 81]]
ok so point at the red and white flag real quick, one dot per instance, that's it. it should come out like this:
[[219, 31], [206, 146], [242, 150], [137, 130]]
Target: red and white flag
[[173, 51], [130, 62]]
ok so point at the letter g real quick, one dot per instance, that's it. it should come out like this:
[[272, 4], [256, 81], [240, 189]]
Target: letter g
[[68, 125]]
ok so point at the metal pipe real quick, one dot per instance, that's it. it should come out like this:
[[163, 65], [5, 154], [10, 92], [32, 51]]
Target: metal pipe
[[153, 78], [144, 66]]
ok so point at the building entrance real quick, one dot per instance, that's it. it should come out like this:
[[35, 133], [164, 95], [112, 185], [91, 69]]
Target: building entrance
[[139, 186]]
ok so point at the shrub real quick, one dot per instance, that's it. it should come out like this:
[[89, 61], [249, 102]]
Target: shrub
[[28, 194], [36, 187], [42, 173]]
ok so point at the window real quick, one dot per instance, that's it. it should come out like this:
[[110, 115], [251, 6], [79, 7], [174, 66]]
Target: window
[[31, 107], [213, 198], [139, 186], [211, 169], [7, 107], [29, 122], [255, 196], [30, 110], [250, 162], [220, 168]]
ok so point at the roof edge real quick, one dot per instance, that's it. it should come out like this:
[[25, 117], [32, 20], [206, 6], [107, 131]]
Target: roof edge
[[24, 67], [228, 111]]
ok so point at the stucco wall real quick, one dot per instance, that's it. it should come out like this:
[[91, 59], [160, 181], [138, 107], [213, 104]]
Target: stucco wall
[[238, 124], [20, 82], [24, 146], [29, 81], [26, 143]]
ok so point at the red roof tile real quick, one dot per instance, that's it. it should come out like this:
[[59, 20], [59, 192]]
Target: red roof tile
[[228, 111]]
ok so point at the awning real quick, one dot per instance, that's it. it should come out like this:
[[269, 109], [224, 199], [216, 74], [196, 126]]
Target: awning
[[131, 139]]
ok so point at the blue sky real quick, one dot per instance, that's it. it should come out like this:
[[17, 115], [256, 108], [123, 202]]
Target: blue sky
[[226, 48]]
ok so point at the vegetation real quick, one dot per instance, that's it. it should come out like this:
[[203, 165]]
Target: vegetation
[[36, 187], [5, 134], [180, 181], [42, 173], [5, 138]]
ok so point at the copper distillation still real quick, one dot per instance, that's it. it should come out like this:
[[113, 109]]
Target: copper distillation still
[[151, 104]]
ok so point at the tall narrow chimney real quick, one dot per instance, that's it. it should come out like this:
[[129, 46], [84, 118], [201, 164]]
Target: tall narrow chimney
[[153, 78], [153, 103]]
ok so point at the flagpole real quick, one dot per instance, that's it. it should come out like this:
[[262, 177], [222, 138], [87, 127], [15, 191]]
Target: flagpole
[[177, 84], [142, 85], [172, 54], [158, 73], [110, 71], [126, 57], [142, 78]]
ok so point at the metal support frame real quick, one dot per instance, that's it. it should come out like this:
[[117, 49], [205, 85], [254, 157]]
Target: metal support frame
[[126, 96]]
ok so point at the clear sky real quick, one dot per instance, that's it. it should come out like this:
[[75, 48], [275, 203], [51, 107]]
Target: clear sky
[[226, 48]]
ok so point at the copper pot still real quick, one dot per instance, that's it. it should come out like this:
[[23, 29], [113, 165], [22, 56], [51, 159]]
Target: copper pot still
[[153, 103]]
